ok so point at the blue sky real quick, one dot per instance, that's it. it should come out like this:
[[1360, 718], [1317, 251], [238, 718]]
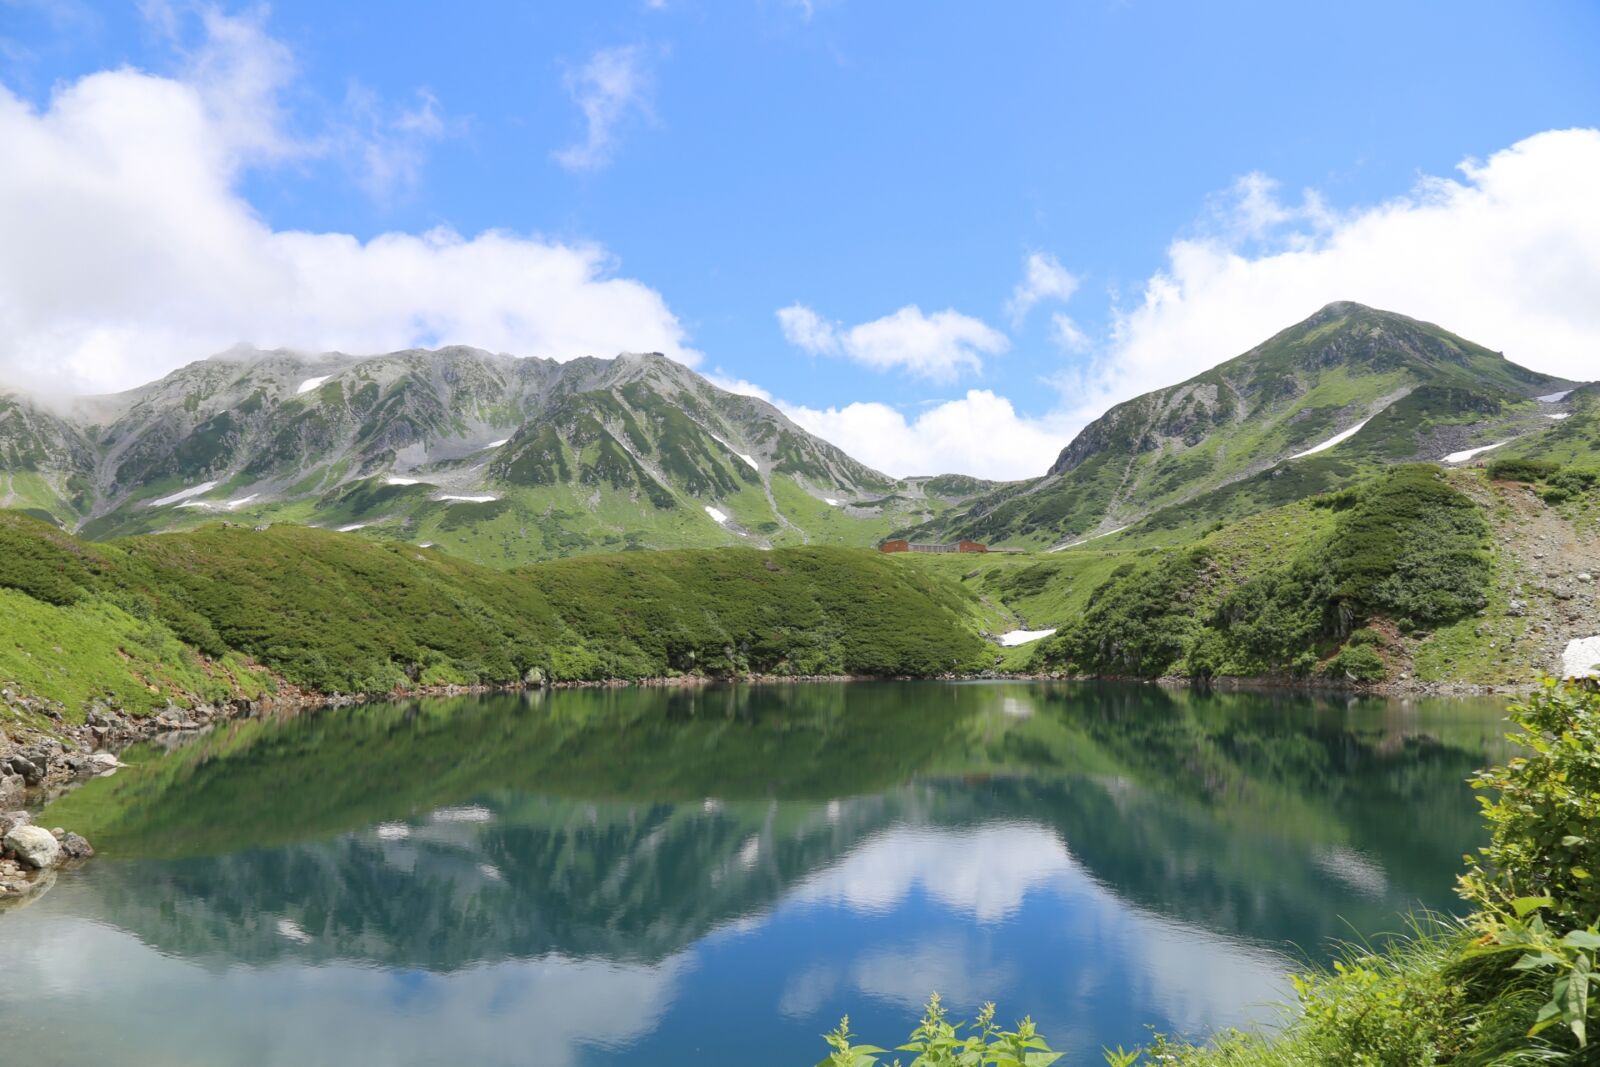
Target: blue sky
[[848, 160]]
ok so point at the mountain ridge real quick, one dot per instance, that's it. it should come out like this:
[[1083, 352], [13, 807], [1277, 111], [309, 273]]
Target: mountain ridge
[[507, 460], [638, 451], [1309, 390]]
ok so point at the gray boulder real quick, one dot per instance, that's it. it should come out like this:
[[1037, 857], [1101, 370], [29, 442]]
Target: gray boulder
[[76, 846], [10, 819], [35, 846]]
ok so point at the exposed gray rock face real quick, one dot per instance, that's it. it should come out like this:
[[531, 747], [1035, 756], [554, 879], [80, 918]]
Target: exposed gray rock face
[[35, 846]]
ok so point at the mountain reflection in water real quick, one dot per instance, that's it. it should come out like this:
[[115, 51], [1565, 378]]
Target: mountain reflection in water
[[714, 876]]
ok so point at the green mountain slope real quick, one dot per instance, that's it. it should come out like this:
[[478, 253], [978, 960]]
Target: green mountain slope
[[497, 459], [222, 611], [1327, 401]]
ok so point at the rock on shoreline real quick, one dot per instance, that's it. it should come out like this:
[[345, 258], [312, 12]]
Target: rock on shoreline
[[29, 854]]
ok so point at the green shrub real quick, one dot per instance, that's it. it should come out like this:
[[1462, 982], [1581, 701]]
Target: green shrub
[[1575, 480], [1359, 664], [1543, 809], [1522, 470], [1365, 636], [1139, 622], [342, 614], [1415, 548]]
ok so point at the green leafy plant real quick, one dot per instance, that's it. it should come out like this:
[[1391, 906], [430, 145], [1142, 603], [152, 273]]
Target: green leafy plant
[[938, 1042], [1543, 810], [1568, 960]]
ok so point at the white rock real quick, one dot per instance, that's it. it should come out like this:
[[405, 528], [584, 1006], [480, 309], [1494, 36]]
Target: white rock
[[34, 845], [105, 762], [1580, 660]]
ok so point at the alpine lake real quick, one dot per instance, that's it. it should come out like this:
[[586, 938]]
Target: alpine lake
[[713, 876]]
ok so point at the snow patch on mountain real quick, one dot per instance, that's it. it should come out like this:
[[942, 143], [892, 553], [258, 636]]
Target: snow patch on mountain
[[185, 494], [1343, 435], [1462, 457]]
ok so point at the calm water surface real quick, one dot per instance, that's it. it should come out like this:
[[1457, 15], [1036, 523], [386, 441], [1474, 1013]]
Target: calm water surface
[[714, 877]]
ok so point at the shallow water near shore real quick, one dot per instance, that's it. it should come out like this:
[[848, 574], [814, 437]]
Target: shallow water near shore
[[713, 876]]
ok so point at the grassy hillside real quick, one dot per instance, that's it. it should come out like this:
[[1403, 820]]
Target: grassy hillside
[[197, 615], [1407, 550]]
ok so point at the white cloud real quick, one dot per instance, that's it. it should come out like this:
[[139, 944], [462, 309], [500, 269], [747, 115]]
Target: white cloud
[[1507, 255], [614, 83], [938, 346], [1043, 278], [980, 434], [805, 329], [387, 149], [565, 1007], [734, 384], [238, 72], [126, 249], [985, 873], [1066, 333]]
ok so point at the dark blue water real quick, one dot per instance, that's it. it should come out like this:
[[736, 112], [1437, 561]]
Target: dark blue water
[[714, 877]]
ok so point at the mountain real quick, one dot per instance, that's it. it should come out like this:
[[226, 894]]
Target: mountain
[[1348, 391], [492, 457]]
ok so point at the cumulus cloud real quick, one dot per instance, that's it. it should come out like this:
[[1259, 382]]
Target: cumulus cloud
[[126, 248], [938, 346], [1507, 254], [1043, 278], [980, 434], [734, 384], [612, 85]]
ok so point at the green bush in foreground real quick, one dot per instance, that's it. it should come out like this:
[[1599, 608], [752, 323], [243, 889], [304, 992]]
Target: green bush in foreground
[[1515, 982]]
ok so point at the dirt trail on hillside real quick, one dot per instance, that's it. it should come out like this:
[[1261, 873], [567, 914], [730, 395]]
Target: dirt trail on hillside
[[1551, 566]]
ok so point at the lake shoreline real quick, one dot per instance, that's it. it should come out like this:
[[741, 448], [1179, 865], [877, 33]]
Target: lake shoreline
[[108, 728]]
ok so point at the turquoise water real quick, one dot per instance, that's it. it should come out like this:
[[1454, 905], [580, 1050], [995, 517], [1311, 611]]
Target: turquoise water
[[714, 876]]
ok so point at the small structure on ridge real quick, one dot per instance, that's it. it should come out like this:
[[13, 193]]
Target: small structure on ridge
[[900, 544]]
